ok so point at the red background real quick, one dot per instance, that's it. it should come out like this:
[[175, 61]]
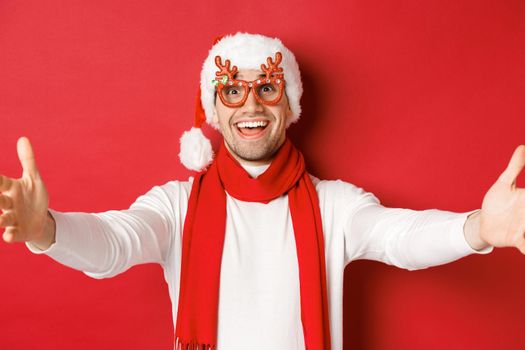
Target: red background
[[419, 102]]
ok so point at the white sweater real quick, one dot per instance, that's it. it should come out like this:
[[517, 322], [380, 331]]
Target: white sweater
[[259, 299]]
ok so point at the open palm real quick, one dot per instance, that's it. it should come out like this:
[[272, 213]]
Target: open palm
[[23, 201], [502, 220]]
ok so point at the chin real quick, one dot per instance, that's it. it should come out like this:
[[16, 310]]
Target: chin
[[255, 152], [251, 155]]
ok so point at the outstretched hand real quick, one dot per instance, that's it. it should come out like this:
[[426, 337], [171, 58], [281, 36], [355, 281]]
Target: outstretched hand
[[502, 216], [24, 201]]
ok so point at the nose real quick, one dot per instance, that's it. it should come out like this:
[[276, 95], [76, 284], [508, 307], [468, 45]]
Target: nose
[[252, 105]]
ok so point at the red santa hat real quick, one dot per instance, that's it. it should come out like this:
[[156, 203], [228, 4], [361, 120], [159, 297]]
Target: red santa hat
[[246, 51]]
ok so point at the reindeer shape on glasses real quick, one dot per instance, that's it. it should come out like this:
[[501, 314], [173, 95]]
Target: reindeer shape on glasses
[[228, 73], [274, 74]]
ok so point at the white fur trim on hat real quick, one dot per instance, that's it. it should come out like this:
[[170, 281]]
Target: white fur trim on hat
[[195, 150], [249, 51]]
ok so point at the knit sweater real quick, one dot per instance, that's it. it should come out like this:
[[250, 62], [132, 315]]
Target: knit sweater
[[259, 299]]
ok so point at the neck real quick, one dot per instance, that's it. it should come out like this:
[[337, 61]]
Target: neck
[[255, 170], [249, 163]]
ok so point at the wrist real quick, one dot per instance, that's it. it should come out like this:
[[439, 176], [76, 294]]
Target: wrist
[[48, 236], [472, 231]]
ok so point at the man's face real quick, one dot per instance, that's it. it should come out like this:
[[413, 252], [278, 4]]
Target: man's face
[[248, 144]]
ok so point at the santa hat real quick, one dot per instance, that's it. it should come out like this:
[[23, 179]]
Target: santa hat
[[246, 51]]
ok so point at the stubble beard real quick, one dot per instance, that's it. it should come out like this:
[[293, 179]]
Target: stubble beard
[[258, 150]]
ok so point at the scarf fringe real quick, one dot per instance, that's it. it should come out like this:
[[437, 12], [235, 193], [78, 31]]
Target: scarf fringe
[[192, 345]]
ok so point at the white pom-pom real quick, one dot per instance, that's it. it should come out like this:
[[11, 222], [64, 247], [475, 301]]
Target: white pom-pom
[[195, 150]]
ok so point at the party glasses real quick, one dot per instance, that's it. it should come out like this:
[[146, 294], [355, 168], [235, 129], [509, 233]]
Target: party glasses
[[267, 90]]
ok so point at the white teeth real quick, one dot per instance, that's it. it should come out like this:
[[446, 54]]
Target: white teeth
[[252, 124]]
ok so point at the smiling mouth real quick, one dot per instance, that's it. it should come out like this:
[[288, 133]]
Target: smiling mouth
[[251, 129]]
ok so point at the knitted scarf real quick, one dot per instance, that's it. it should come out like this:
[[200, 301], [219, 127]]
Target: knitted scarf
[[203, 240]]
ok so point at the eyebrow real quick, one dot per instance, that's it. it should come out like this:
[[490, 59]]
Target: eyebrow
[[260, 75]]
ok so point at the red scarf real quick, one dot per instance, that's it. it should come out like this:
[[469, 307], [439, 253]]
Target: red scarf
[[203, 241]]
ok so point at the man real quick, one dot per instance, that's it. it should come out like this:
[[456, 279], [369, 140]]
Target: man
[[254, 248]]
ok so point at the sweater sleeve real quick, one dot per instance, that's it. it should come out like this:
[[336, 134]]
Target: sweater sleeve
[[105, 244], [405, 238]]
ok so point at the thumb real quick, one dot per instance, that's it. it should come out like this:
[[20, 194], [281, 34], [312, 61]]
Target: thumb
[[27, 157], [516, 164]]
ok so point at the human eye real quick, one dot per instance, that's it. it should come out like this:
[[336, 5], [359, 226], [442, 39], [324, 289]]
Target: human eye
[[267, 88], [232, 90]]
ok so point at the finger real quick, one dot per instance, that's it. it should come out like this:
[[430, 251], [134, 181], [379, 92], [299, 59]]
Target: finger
[[516, 164], [27, 157], [5, 183], [7, 219], [521, 247], [5, 202], [10, 235]]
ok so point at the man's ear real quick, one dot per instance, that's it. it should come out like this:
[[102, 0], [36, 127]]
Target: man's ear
[[288, 108], [289, 112], [215, 116]]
